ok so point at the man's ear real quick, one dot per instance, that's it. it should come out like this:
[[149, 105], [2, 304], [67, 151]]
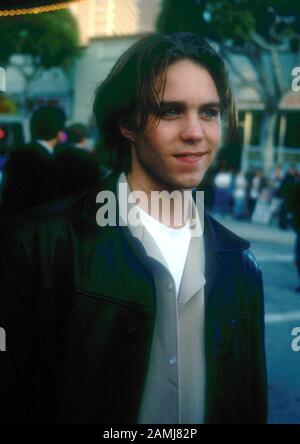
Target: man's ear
[[128, 133]]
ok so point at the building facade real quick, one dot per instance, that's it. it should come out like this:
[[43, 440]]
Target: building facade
[[98, 18]]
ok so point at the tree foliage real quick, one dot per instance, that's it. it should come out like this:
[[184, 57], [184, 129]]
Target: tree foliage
[[50, 39], [233, 21]]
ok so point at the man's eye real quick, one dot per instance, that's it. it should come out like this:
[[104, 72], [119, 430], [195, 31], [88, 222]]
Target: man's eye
[[169, 112], [211, 113]]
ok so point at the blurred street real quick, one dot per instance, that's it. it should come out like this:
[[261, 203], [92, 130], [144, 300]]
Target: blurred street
[[273, 249]]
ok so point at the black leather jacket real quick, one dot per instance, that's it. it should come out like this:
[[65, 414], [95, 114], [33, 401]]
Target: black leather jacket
[[78, 307]]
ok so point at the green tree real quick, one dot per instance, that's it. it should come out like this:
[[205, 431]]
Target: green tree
[[44, 40], [258, 30]]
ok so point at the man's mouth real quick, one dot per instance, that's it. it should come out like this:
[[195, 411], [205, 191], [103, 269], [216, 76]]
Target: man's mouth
[[189, 157]]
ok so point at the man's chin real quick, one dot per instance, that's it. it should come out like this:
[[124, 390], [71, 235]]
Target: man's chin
[[182, 183], [189, 184]]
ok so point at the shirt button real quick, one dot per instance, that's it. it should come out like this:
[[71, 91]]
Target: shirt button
[[173, 361], [170, 286]]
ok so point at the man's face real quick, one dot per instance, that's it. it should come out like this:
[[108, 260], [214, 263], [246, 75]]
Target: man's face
[[175, 154]]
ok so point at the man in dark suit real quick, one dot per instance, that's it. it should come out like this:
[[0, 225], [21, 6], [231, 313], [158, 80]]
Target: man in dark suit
[[123, 312], [29, 177], [45, 169]]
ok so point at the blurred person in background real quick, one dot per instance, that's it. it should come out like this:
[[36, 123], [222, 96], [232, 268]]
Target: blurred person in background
[[240, 196], [250, 174], [78, 136], [276, 177], [285, 192], [223, 183], [263, 210], [275, 183], [29, 176], [258, 184]]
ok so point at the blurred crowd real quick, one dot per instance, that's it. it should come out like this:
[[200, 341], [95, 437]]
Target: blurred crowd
[[255, 196], [259, 198]]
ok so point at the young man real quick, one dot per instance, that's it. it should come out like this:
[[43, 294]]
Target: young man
[[142, 319]]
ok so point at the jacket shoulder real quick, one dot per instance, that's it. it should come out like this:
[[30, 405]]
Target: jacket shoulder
[[228, 241], [51, 217], [223, 238]]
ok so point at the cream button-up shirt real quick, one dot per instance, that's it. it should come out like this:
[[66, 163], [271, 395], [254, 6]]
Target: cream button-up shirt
[[174, 392]]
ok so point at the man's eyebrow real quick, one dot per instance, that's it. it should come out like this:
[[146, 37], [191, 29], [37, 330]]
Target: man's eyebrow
[[177, 103], [211, 105]]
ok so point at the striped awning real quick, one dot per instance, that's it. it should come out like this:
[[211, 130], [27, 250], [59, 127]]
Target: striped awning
[[20, 7]]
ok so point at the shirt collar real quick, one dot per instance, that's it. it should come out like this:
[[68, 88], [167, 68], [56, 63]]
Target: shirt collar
[[46, 145]]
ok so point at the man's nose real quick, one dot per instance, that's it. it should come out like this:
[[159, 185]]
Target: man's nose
[[192, 130]]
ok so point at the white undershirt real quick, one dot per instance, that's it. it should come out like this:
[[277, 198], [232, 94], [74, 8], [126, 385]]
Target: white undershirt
[[172, 243]]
